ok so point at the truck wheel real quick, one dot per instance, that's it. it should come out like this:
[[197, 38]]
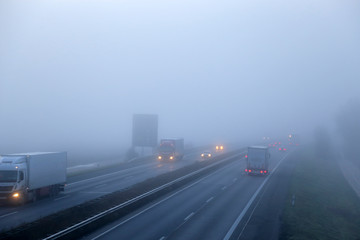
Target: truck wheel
[[54, 190], [34, 196]]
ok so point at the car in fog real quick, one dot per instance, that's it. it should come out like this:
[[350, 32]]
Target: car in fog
[[205, 155], [219, 147]]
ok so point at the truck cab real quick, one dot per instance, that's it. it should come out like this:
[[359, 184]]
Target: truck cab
[[13, 174], [171, 149]]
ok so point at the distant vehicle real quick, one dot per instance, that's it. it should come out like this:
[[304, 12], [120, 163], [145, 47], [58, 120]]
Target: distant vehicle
[[206, 155], [282, 149], [171, 149], [257, 160], [27, 176], [219, 148], [293, 139]]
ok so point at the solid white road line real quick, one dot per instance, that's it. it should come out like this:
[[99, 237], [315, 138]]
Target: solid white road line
[[240, 217], [109, 174], [96, 192], [101, 185], [7, 214], [157, 203], [209, 200], [56, 199], [189, 216]]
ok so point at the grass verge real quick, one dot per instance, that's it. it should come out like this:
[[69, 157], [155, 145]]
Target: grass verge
[[325, 206]]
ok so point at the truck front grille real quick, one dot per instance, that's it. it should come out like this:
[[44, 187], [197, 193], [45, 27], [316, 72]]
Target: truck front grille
[[6, 188]]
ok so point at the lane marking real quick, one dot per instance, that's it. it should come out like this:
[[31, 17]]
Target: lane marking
[[162, 238], [101, 185], [189, 216], [61, 197], [109, 174], [96, 192], [114, 173], [243, 212], [163, 200], [235, 179], [209, 200], [224, 187], [7, 214]]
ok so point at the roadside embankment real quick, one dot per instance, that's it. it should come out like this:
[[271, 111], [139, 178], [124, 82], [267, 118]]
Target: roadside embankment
[[321, 204]]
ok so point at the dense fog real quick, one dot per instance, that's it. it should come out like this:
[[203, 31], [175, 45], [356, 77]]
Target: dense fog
[[73, 73]]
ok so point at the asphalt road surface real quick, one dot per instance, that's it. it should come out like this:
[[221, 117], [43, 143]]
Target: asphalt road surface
[[89, 186], [227, 204]]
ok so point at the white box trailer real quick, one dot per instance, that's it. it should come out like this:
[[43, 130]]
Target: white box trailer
[[27, 176], [257, 160]]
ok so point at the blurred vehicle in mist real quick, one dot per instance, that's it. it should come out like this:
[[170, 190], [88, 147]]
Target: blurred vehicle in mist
[[206, 154], [257, 160], [171, 149]]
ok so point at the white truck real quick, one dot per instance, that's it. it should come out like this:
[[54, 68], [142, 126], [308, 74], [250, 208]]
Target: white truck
[[171, 149], [28, 176], [257, 160]]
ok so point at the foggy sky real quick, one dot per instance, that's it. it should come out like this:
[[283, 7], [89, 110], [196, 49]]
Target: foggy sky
[[72, 73]]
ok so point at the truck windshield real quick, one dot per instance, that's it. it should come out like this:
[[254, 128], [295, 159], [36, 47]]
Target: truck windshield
[[8, 176], [166, 148]]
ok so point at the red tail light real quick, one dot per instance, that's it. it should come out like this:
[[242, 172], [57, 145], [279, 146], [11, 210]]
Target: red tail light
[[265, 171], [245, 170], [261, 172], [279, 149], [249, 170], [245, 156], [284, 149]]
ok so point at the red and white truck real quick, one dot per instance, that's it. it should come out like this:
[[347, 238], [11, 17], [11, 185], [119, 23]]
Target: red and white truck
[[171, 149]]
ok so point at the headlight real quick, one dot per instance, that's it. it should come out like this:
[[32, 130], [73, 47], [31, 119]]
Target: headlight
[[16, 195], [202, 154], [171, 158], [159, 157], [209, 155]]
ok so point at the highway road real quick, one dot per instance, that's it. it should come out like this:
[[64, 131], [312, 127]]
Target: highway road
[[213, 207], [89, 186]]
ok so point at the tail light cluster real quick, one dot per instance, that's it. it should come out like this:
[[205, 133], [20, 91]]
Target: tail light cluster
[[249, 170]]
